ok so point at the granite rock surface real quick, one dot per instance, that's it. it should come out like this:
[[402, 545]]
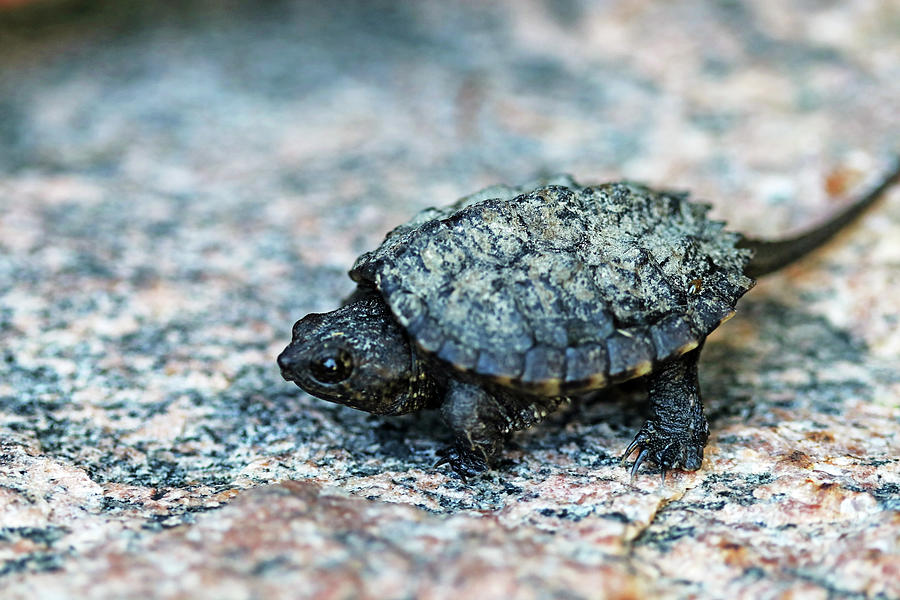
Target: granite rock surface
[[180, 182]]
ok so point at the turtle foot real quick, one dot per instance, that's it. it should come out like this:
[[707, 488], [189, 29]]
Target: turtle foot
[[668, 449], [463, 462]]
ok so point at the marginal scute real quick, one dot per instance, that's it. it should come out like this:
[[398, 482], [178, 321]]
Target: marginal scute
[[430, 337], [530, 287], [672, 336], [727, 316], [459, 355], [506, 365], [629, 355], [543, 364], [585, 363], [709, 311]]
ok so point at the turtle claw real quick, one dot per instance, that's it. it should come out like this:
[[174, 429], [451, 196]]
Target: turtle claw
[[462, 462], [638, 462], [665, 448], [631, 448]]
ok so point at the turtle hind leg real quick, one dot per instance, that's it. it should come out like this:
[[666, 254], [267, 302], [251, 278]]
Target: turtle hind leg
[[676, 432]]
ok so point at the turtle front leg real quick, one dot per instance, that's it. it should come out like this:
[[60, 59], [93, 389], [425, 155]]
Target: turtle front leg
[[479, 424], [676, 432]]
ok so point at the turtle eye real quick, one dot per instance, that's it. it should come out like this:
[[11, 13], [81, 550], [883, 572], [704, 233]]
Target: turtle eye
[[332, 368]]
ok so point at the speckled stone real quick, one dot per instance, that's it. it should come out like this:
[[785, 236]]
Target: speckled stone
[[180, 182]]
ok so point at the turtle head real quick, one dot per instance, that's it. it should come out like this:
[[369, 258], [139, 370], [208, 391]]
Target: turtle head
[[359, 356]]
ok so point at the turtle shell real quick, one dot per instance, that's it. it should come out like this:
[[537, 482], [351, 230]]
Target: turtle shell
[[557, 288]]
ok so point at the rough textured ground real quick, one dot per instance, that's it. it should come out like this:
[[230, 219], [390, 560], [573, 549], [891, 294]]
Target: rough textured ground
[[181, 181]]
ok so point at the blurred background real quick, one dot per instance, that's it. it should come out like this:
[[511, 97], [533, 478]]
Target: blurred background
[[180, 181], [419, 99]]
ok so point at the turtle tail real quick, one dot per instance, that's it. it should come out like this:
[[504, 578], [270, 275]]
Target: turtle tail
[[771, 255]]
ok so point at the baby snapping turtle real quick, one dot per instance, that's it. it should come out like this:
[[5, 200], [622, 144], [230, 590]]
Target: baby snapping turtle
[[501, 306]]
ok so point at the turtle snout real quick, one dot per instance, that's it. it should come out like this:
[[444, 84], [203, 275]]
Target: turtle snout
[[287, 362]]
